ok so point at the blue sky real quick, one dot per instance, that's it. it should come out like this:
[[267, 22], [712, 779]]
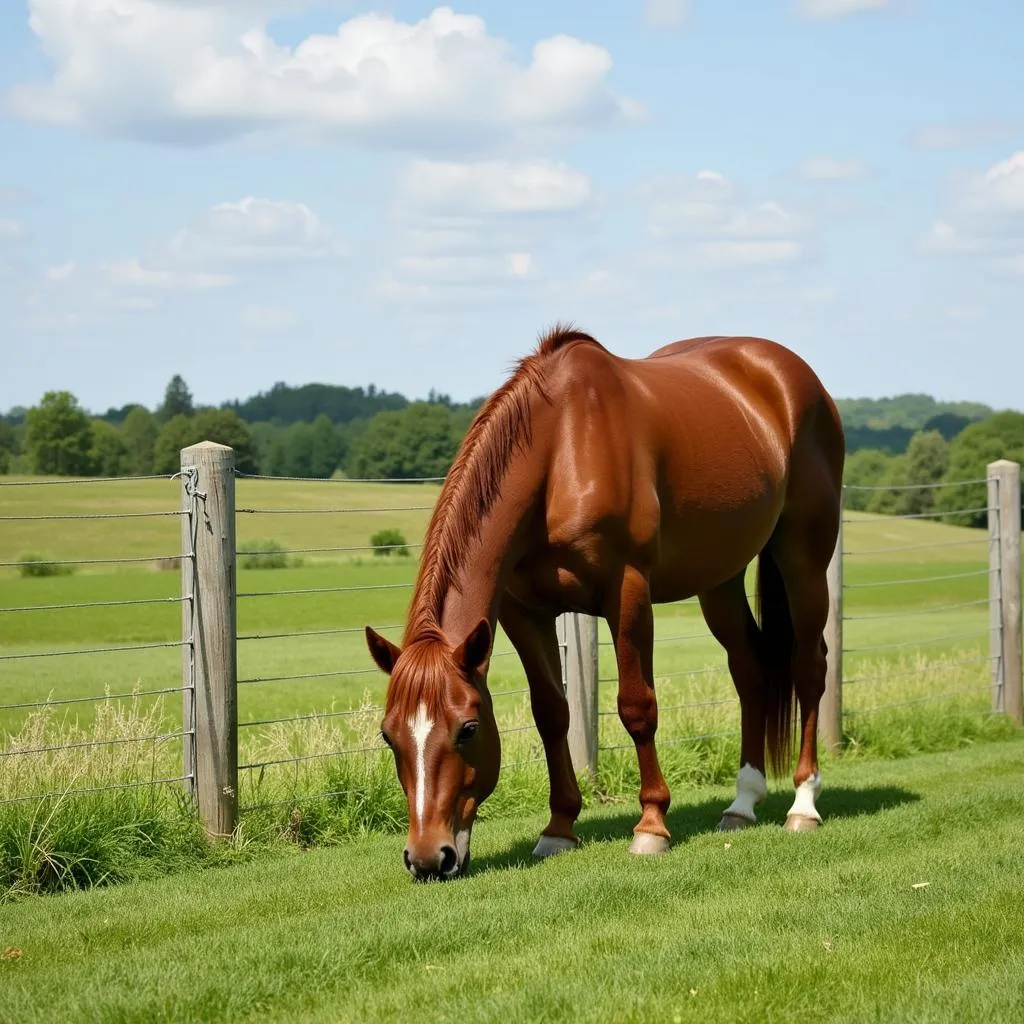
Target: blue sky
[[247, 191]]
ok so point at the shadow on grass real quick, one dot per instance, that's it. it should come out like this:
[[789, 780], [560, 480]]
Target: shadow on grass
[[690, 820]]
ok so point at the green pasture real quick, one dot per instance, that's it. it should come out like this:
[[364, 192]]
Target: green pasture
[[930, 691], [939, 652], [905, 906]]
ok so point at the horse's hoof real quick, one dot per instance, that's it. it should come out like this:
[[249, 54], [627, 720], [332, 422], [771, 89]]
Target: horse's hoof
[[733, 823], [648, 844], [801, 823], [548, 846]]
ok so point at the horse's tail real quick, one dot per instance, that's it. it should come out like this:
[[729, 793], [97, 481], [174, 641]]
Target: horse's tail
[[776, 657]]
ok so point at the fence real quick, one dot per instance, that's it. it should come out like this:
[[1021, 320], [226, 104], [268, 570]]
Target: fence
[[221, 657], [118, 750]]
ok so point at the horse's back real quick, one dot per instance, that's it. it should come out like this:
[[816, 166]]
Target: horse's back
[[692, 449]]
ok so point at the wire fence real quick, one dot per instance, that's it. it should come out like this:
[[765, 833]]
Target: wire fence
[[71, 722], [921, 622], [94, 652]]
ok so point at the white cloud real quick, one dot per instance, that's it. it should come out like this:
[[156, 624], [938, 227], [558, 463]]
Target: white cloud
[[824, 168], [1012, 265], [963, 133], [1001, 189], [468, 232], [521, 264], [11, 195], [821, 296], [197, 72], [221, 250], [985, 218], [496, 187], [253, 230], [131, 273], [943, 237], [269, 319], [750, 253], [12, 231], [59, 273], [708, 214], [668, 15], [823, 9]]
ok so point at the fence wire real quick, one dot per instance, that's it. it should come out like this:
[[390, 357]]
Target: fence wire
[[307, 743], [55, 759], [300, 727], [951, 634]]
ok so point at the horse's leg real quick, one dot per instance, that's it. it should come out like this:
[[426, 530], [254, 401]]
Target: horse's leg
[[631, 620], [727, 613], [536, 643], [804, 566]]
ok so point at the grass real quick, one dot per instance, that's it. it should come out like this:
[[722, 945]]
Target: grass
[[755, 926], [928, 694]]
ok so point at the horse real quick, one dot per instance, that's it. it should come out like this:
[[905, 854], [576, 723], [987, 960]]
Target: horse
[[599, 484]]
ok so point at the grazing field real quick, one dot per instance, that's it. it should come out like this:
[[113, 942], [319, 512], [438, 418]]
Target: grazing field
[[917, 672], [905, 906]]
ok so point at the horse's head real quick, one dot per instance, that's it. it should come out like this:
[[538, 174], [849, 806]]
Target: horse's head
[[439, 723]]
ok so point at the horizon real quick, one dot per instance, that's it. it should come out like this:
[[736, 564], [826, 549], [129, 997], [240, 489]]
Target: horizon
[[332, 190], [381, 389]]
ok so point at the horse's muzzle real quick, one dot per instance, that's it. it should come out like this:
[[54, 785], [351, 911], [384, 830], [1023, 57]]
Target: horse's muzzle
[[438, 866]]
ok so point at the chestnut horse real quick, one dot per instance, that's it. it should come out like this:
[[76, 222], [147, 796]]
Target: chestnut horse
[[603, 485]]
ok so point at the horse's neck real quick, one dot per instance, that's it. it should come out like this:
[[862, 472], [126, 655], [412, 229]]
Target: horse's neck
[[480, 580]]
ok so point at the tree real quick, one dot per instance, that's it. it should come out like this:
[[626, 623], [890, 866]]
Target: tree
[[327, 448], [177, 401], [927, 462], [865, 468], [118, 416], [999, 437], [175, 434], [416, 442], [291, 452], [140, 432], [285, 405], [58, 436], [220, 425], [109, 453], [226, 427], [892, 502], [8, 446]]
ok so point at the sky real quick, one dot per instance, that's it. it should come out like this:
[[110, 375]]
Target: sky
[[253, 191]]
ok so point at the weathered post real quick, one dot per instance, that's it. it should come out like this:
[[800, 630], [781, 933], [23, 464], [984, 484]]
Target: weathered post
[[830, 713], [209, 588], [581, 690], [1004, 587]]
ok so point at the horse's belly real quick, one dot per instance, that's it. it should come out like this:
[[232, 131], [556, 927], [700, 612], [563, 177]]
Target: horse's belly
[[701, 550]]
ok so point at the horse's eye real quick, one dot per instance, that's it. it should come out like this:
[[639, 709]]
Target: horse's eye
[[466, 733], [386, 738]]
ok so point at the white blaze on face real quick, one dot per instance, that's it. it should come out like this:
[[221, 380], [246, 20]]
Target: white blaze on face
[[420, 726]]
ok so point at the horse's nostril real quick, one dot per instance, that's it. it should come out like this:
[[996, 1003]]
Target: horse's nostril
[[449, 860], [408, 862]]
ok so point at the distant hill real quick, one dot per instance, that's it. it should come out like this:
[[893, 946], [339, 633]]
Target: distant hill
[[912, 411], [888, 424], [285, 405]]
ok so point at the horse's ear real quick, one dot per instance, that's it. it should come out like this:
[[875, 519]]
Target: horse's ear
[[475, 649], [383, 651]]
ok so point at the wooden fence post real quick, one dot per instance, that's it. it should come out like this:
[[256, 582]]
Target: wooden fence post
[[580, 633], [1005, 587], [211, 666], [830, 715]]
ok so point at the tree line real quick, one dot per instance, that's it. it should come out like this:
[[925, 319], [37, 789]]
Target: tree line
[[895, 445], [933, 474], [311, 431]]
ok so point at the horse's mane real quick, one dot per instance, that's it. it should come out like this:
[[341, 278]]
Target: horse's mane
[[472, 484]]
